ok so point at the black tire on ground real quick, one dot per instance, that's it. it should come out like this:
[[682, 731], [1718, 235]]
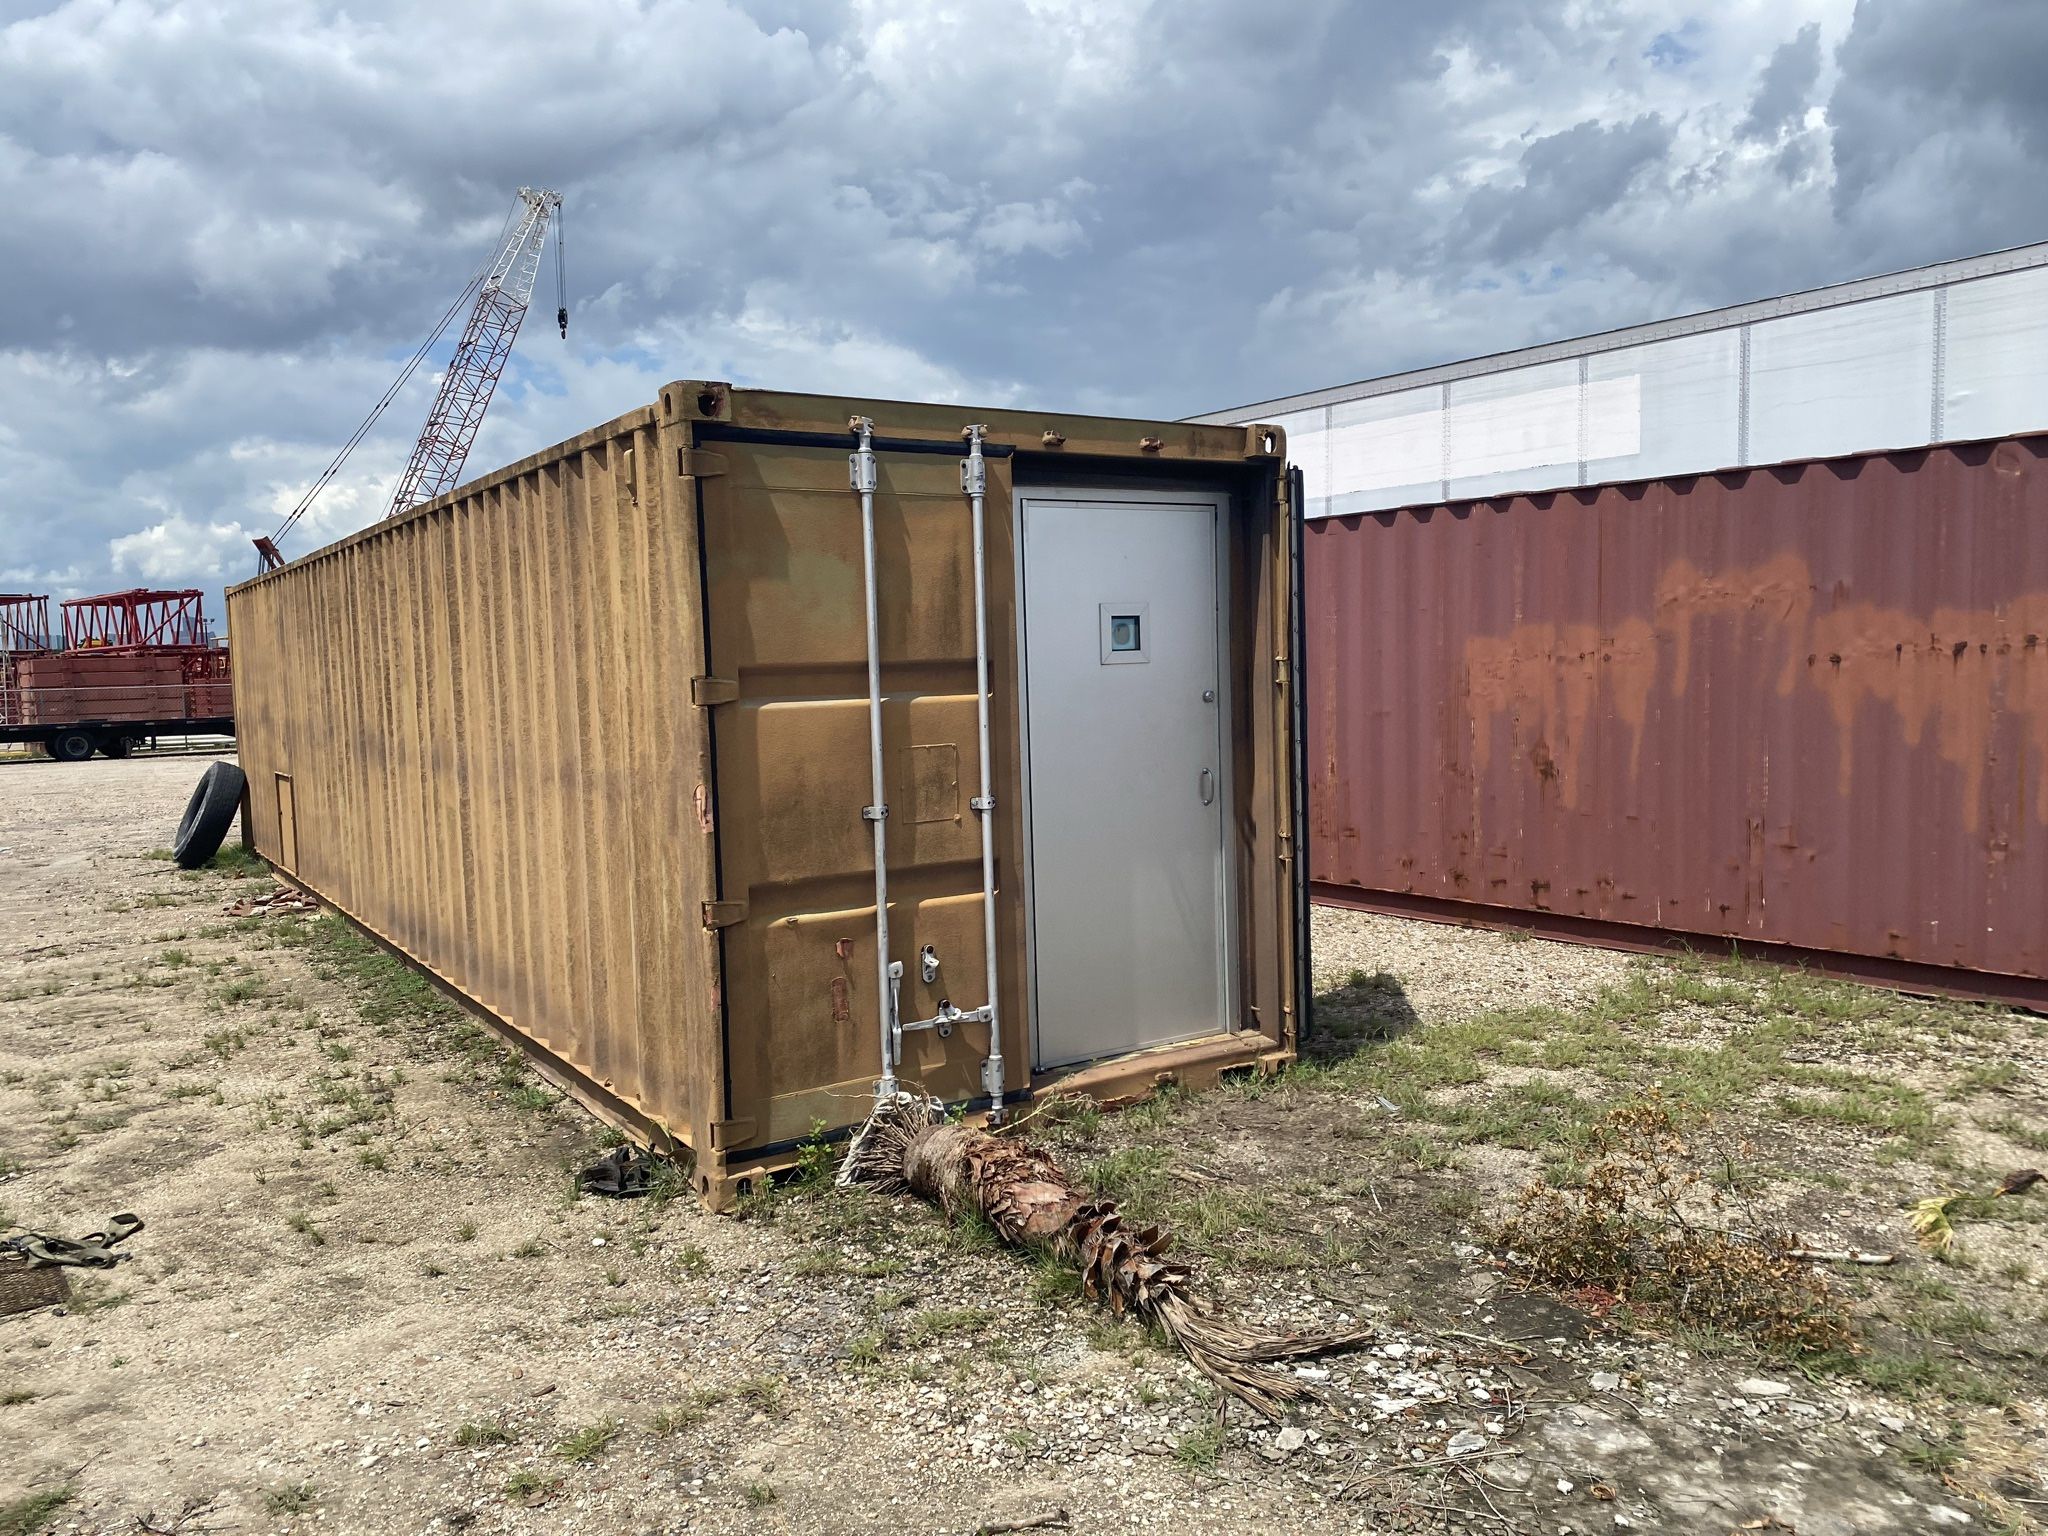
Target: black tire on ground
[[114, 746], [208, 815], [70, 746]]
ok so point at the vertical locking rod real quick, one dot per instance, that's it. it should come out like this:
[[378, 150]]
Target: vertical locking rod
[[974, 481], [861, 474]]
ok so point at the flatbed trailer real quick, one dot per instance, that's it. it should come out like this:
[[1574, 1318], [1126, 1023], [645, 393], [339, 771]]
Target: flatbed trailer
[[78, 740]]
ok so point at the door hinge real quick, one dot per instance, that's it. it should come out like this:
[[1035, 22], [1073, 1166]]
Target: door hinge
[[1279, 671], [727, 1134], [723, 914], [699, 463], [707, 691]]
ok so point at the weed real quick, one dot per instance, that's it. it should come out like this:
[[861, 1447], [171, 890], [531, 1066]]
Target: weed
[[292, 1499], [589, 1442], [529, 1485], [466, 1233], [532, 1248], [482, 1432], [817, 1263], [1627, 1231], [864, 1349], [1935, 1456], [14, 1397], [942, 1322], [174, 959], [302, 1224], [693, 1261], [764, 1392], [691, 1412], [759, 1495], [32, 1512], [374, 1158], [1199, 1448]]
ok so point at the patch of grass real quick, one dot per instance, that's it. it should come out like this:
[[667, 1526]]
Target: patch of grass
[[174, 959], [302, 1224], [935, 1323], [1134, 1177], [529, 1484], [386, 989], [759, 1495], [292, 1499], [764, 1392], [689, 1413], [466, 1233], [693, 1261], [864, 1349], [32, 1511], [14, 1397], [2024, 1133], [481, 1432], [532, 1248], [817, 1263], [1199, 1448], [239, 861], [1934, 1456], [589, 1442], [1984, 1077]]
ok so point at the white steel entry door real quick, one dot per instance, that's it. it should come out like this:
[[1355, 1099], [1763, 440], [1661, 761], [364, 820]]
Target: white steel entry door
[[1124, 709]]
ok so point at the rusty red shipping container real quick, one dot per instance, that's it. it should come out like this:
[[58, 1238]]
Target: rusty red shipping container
[[1804, 705]]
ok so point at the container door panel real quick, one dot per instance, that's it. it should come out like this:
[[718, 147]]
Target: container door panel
[[783, 576]]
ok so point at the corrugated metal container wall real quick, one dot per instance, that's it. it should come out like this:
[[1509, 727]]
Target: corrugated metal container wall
[[588, 739], [1805, 706], [464, 729]]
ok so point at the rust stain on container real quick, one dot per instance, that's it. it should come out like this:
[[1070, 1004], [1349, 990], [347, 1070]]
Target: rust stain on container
[[589, 743], [1804, 706]]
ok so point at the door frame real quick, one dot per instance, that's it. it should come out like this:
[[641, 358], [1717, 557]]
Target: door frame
[[1023, 495]]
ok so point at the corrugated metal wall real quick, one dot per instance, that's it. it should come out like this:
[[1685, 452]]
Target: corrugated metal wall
[[478, 710], [1805, 705]]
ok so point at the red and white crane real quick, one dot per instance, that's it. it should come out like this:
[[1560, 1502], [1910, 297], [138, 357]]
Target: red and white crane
[[503, 289]]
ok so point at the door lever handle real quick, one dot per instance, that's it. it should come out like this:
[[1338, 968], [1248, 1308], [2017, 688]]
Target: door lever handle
[[1208, 787]]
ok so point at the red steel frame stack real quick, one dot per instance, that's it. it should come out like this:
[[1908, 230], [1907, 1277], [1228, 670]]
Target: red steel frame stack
[[146, 622], [24, 631]]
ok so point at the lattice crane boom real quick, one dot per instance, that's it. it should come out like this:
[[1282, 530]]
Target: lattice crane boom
[[503, 287], [466, 388]]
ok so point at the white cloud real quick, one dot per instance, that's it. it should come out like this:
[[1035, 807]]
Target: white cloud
[[231, 220]]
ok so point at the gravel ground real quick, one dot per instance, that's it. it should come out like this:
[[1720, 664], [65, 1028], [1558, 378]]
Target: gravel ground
[[366, 1301], [1447, 972]]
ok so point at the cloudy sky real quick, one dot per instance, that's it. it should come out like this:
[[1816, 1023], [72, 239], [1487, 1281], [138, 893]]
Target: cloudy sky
[[229, 223]]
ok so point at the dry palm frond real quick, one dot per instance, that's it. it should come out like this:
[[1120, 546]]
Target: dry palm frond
[[1934, 1219], [1021, 1192], [1931, 1223]]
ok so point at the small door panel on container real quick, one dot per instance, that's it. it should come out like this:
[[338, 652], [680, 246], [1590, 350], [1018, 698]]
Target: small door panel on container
[[1123, 702], [287, 824]]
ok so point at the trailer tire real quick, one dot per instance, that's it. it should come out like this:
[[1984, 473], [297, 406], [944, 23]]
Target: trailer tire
[[70, 746], [208, 815]]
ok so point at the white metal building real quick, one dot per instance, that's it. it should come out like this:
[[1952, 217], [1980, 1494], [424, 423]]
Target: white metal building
[[1949, 352]]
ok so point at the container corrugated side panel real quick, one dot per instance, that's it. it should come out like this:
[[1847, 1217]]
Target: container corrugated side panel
[[1805, 705], [484, 711]]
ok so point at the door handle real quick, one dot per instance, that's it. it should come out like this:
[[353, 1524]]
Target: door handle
[[1208, 787]]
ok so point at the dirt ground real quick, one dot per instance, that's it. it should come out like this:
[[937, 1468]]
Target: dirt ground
[[367, 1300]]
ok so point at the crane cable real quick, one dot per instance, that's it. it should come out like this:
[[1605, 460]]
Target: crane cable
[[404, 376], [561, 278]]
